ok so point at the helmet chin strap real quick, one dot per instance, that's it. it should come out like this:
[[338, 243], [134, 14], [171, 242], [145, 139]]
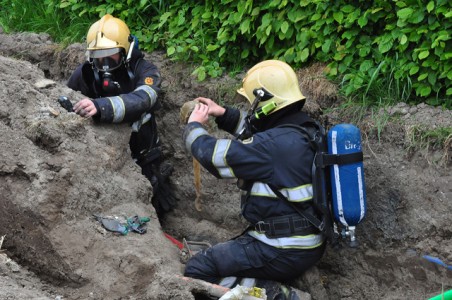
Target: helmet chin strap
[[129, 57], [259, 93]]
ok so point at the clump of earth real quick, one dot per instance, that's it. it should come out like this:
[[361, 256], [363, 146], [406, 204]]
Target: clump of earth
[[57, 170]]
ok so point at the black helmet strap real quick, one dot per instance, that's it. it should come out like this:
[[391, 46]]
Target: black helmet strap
[[248, 130], [129, 57]]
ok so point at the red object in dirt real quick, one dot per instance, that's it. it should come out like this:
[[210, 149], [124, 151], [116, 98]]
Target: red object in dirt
[[174, 241]]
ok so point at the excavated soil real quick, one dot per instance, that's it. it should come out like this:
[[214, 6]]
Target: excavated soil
[[58, 169]]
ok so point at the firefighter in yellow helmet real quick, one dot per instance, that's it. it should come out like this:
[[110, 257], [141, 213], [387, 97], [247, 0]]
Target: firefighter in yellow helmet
[[269, 157], [121, 86]]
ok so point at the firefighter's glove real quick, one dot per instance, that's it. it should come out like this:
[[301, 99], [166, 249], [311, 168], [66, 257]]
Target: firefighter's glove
[[164, 198]]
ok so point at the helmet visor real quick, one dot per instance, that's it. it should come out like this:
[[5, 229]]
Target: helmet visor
[[98, 53], [106, 64]]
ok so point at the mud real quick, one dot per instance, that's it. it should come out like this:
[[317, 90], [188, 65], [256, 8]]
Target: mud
[[57, 170]]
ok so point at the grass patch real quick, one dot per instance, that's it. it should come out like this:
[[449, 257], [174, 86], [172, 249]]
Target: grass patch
[[374, 120], [379, 86], [429, 140], [368, 119], [42, 17]]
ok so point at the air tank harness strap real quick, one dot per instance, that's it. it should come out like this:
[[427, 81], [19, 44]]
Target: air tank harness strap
[[319, 224], [325, 160], [285, 226]]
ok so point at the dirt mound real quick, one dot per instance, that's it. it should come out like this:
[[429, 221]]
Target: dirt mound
[[58, 169]]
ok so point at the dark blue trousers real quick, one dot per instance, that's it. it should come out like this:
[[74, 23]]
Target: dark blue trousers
[[247, 257]]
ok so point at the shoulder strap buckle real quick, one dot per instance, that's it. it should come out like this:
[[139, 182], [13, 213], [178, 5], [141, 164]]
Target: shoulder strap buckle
[[260, 227]]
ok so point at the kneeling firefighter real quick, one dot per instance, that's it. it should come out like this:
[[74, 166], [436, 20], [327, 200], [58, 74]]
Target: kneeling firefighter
[[270, 159], [124, 87]]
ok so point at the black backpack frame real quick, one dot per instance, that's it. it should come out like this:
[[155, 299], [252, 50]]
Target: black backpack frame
[[316, 136]]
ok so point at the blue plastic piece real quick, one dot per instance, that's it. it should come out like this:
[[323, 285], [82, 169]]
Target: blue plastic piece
[[437, 261], [135, 39]]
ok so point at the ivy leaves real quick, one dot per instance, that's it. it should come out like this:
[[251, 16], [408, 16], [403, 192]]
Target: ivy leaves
[[407, 39]]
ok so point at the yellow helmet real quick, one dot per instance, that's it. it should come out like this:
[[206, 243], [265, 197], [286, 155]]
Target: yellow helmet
[[107, 36], [275, 77]]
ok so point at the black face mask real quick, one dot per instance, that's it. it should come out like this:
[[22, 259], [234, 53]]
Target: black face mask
[[106, 68], [107, 64]]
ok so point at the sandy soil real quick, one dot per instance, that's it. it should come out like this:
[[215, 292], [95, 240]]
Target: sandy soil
[[57, 170]]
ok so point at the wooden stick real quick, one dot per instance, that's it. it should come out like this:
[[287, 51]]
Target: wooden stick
[[211, 289]]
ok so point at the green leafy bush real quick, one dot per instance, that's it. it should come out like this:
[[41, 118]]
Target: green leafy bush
[[366, 44]]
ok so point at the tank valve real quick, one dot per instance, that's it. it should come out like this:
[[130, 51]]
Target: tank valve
[[350, 232]]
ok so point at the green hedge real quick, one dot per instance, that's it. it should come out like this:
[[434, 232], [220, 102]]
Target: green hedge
[[408, 42]]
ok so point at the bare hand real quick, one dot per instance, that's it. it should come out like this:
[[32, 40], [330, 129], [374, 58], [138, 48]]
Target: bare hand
[[215, 110], [85, 108], [199, 114]]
